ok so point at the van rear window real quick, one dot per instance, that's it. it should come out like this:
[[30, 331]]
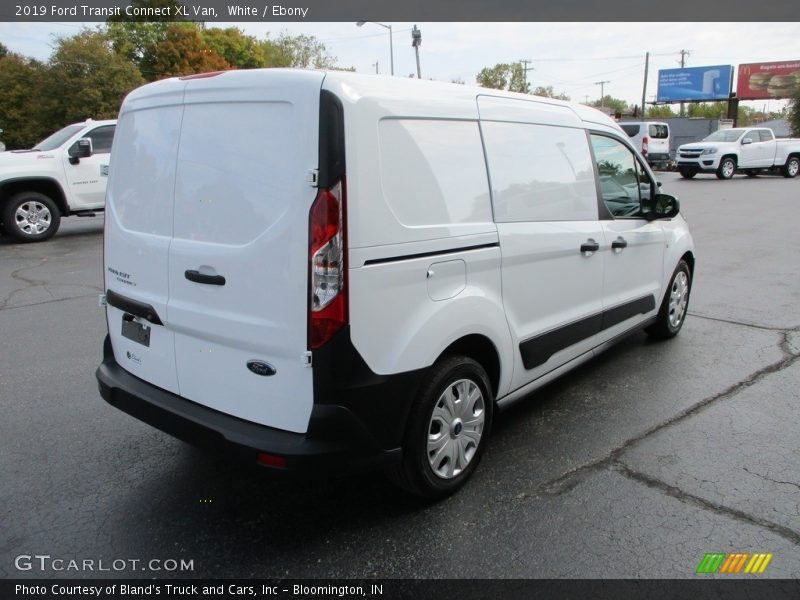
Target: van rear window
[[659, 132], [631, 130]]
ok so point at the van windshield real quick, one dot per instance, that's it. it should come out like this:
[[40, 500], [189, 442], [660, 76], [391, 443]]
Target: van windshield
[[631, 130], [58, 138], [659, 132], [725, 135]]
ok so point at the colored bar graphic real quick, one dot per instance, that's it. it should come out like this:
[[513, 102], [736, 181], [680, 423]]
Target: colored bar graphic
[[720, 562]]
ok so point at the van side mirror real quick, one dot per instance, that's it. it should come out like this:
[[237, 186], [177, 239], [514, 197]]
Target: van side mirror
[[80, 149], [666, 206], [746, 141]]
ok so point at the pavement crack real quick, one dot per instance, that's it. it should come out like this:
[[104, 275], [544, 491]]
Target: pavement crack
[[29, 283], [53, 301], [675, 492], [765, 478], [565, 482], [743, 323]]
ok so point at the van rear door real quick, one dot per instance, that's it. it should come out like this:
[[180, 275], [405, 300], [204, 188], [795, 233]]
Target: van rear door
[[238, 262]]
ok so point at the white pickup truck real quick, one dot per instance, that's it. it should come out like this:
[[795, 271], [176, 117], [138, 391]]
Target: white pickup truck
[[63, 175], [749, 150]]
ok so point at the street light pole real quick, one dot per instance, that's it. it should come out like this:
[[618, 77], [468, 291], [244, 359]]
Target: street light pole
[[391, 41]]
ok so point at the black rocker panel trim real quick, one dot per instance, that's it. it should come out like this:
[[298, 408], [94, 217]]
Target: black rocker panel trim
[[538, 350]]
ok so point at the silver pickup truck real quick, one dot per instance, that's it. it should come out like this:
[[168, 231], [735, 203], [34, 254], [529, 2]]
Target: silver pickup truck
[[749, 150]]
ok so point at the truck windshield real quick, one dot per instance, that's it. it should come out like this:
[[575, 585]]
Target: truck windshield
[[58, 138], [725, 135]]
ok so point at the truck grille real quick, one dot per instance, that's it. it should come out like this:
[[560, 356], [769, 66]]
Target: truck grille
[[690, 153]]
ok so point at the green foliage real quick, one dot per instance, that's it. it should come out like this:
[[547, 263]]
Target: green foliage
[[239, 50], [548, 92], [21, 115], [661, 111], [3, 50], [297, 51], [86, 79], [615, 104], [504, 76]]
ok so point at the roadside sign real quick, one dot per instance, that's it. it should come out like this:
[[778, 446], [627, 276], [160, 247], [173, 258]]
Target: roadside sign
[[695, 83], [763, 81]]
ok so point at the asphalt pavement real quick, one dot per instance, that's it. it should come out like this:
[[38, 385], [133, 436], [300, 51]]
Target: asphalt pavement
[[634, 465]]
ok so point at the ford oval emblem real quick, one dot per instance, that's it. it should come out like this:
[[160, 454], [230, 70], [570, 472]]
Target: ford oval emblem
[[259, 367]]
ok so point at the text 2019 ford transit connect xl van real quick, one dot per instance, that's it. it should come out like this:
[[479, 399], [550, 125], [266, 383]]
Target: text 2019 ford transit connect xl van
[[327, 271]]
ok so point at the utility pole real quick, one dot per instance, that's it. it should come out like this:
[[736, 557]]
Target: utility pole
[[644, 85], [375, 64], [602, 91], [586, 98], [524, 62], [416, 41], [684, 54]]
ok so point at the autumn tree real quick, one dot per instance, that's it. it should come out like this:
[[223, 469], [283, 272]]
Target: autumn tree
[[239, 50], [21, 92], [87, 79], [183, 52]]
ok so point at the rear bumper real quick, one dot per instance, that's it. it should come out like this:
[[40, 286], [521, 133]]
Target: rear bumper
[[336, 440]]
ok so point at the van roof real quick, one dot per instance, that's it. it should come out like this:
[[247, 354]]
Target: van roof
[[377, 87]]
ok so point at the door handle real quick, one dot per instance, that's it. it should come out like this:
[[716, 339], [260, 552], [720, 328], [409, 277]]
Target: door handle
[[589, 246], [619, 244], [198, 277]]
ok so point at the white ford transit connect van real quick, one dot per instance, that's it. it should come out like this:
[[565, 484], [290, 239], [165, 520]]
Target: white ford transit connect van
[[328, 271], [652, 139]]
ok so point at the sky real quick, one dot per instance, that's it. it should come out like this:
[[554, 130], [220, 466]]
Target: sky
[[571, 57]]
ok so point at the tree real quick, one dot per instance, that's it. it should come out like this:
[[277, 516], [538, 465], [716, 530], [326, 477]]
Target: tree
[[660, 111], [297, 51], [239, 50], [504, 76], [3, 50], [183, 52], [615, 104], [21, 109], [547, 92], [794, 113], [87, 79]]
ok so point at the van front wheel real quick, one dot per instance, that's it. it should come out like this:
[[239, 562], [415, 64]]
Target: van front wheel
[[675, 305], [447, 429]]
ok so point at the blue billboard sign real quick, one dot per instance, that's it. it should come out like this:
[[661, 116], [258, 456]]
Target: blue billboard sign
[[695, 83]]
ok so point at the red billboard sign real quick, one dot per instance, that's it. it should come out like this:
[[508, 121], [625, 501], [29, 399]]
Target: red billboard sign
[[759, 81]]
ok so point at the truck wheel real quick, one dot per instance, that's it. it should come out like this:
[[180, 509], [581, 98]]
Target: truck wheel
[[447, 429], [31, 217], [727, 167], [687, 173], [675, 305], [791, 167]]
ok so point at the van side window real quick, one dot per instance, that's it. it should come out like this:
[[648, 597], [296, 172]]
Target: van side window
[[433, 171], [101, 139], [623, 181], [539, 173], [631, 130]]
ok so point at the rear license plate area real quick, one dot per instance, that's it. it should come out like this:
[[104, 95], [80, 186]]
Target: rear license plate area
[[135, 331]]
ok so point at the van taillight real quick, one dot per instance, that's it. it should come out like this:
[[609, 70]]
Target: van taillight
[[644, 147], [328, 302]]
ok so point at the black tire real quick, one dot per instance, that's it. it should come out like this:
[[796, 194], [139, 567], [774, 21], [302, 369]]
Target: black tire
[[31, 230], [726, 169], [791, 167], [415, 473], [751, 173], [687, 173], [666, 327]]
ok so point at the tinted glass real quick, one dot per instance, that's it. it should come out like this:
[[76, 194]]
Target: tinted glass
[[631, 130], [540, 173], [101, 139], [765, 135], [659, 132], [58, 138], [622, 180]]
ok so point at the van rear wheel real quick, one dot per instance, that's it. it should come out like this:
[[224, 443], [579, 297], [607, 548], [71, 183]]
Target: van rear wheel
[[447, 430]]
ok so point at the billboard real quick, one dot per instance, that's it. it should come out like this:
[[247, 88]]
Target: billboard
[[761, 81], [695, 84]]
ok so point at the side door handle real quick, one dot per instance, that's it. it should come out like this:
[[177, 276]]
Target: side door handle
[[198, 277], [589, 247], [619, 244]]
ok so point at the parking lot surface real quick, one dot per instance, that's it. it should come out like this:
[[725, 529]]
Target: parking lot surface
[[634, 465]]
